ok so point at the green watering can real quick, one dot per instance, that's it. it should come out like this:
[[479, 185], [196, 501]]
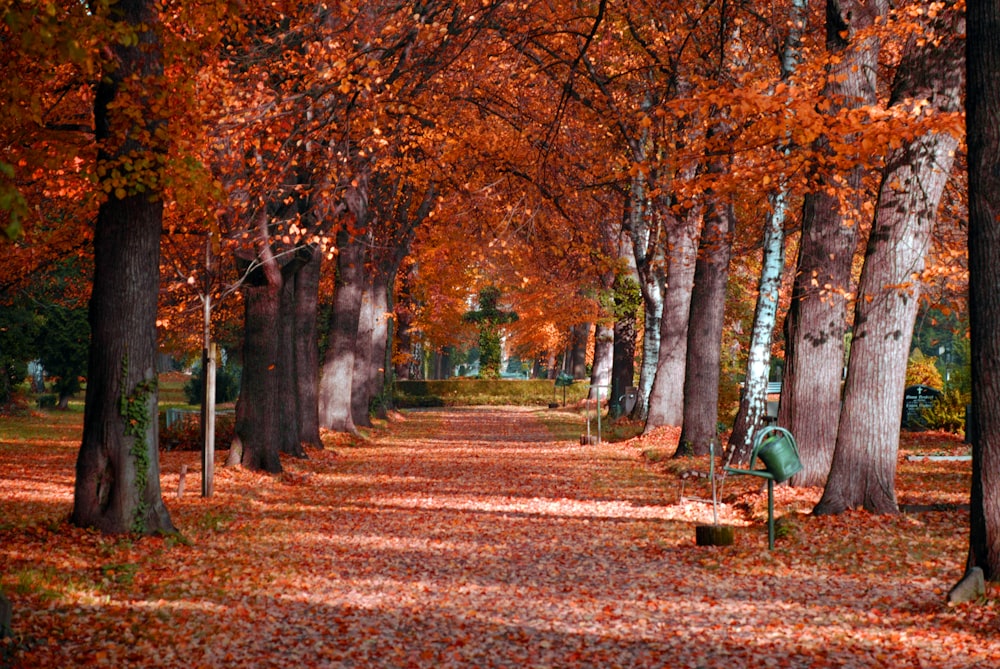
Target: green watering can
[[776, 448]]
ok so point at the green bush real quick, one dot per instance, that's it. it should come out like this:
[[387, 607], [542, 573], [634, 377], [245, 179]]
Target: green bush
[[948, 413], [471, 392], [227, 384], [63, 348]]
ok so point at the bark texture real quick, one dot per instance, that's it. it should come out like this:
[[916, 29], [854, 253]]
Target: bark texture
[[600, 371], [666, 397], [817, 318], [863, 471], [645, 234], [704, 350], [307, 350], [117, 485], [338, 365], [983, 132]]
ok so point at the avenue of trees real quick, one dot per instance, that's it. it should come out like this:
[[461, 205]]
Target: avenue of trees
[[693, 189]]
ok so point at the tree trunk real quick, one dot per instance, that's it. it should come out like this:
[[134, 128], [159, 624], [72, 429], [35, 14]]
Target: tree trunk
[[117, 485], [380, 371], [652, 293], [361, 388], [338, 367], [623, 363], [646, 250], [666, 397], [704, 350], [817, 318], [578, 339], [983, 127], [753, 400], [306, 349], [258, 416], [863, 471], [286, 327], [600, 371]]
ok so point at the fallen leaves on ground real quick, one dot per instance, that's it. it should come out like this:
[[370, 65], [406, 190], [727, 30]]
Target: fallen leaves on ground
[[470, 538]]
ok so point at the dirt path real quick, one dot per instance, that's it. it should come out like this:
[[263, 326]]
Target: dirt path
[[470, 538], [481, 542]]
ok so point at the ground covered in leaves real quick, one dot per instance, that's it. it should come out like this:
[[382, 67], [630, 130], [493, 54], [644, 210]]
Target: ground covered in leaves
[[474, 538]]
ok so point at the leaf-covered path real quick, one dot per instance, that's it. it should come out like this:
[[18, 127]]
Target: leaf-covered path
[[472, 538]]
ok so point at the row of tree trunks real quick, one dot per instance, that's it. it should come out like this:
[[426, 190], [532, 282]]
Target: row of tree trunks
[[277, 312], [863, 470], [815, 324]]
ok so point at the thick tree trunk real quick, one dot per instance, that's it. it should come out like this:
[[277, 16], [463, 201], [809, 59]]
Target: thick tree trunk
[[117, 485], [983, 127], [266, 413], [361, 388], [306, 349], [338, 366], [258, 415], [863, 471], [666, 397], [600, 371], [579, 337], [817, 318], [704, 350], [288, 413]]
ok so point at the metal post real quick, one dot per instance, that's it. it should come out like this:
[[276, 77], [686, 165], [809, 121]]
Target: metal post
[[208, 421], [598, 414], [770, 514]]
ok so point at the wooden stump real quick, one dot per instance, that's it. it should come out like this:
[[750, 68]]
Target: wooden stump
[[714, 535], [6, 609]]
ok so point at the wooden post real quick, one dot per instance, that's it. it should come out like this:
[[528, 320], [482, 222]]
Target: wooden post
[[180, 481], [6, 611], [208, 420]]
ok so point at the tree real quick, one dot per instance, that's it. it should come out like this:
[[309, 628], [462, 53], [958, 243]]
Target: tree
[[928, 85], [982, 123], [117, 471], [627, 302], [704, 349], [62, 348], [816, 321], [490, 319], [752, 402]]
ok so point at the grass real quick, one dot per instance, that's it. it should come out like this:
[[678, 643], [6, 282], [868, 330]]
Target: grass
[[478, 392]]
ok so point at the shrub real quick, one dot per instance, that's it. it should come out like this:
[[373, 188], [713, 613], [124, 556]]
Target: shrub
[[948, 413], [186, 434], [922, 370], [227, 384]]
